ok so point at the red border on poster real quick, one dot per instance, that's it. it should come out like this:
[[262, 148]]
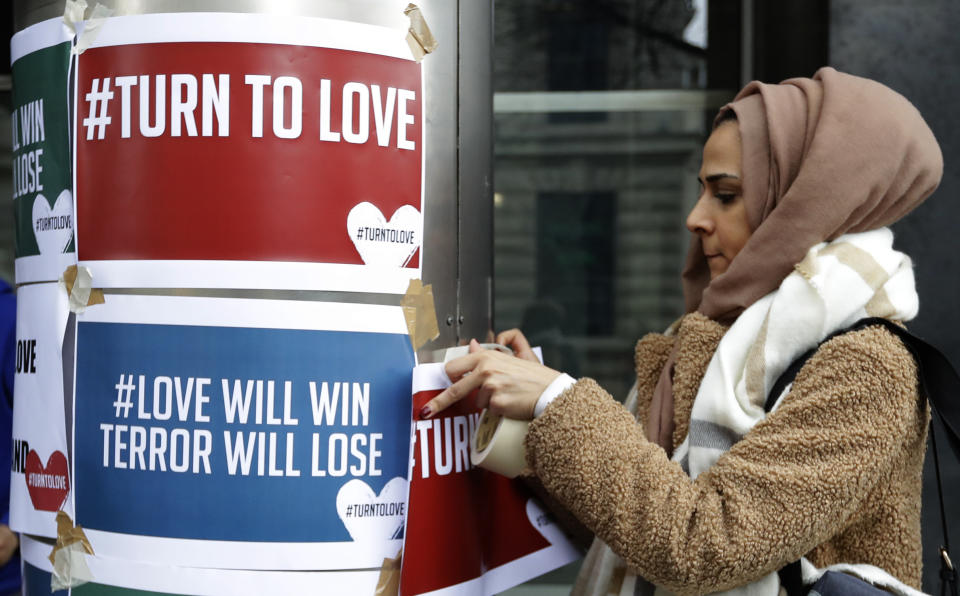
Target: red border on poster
[[208, 188]]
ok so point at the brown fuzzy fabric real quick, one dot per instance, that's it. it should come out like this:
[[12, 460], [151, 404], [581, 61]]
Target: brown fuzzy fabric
[[580, 534], [834, 473], [649, 358]]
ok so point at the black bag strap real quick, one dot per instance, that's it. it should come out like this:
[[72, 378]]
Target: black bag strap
[[940, 385], [791, 579], [948, 574]]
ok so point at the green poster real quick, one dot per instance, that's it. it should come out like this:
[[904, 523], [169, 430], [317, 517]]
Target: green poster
[[42, 159]]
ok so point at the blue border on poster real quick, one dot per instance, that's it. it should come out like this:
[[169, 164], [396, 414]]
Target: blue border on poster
[[217, 505]]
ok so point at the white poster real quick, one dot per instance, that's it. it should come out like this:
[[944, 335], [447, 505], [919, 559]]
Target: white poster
[[129, 577], [40, 482]]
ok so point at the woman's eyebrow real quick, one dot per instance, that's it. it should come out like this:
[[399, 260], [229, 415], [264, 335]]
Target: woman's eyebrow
[[714, 177]]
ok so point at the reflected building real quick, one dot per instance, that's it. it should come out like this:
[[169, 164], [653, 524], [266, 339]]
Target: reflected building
[[601, 109]]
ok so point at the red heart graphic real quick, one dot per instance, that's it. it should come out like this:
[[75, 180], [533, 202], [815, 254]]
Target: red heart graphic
[[48, 486]]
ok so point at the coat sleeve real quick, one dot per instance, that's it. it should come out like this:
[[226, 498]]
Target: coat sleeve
[[793, 482]]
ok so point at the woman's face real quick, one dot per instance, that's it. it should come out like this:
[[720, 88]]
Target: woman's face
[[720, 215]]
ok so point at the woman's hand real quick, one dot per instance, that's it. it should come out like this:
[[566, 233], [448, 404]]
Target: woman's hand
[[509, 386]]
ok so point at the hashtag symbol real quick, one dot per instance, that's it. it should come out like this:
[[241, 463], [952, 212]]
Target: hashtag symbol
[[359, 233], [349, 510], [124, 396], [95, 98]]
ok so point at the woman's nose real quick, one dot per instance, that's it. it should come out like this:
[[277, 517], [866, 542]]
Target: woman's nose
[[699, 220]]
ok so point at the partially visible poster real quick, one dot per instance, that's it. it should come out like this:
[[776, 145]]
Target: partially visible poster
[[36, 569], [119, 578], [40, 481], [42, 175], [242, 433], [249, 151], [469, 531]]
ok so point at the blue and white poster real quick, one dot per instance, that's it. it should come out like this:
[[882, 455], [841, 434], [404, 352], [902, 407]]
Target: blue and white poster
[[242, 433]]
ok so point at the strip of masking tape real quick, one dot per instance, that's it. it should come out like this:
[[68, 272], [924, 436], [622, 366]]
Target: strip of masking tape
[[419, 37], [68, 557], [389, 582], [78, 282], [73, 13], [498, 445], [420, 314], [91, 28]]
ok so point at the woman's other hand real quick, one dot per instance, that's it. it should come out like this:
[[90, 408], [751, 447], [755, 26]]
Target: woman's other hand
[[516, 341], [508, 386]]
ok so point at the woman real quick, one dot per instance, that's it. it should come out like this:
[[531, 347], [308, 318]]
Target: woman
[[709, 492]]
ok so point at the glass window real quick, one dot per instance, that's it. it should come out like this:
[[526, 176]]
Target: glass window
[[589, 237], [600, 112]]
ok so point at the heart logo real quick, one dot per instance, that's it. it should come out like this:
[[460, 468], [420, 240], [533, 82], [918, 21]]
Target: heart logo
[[544, 523], [48, 485], [53, 227], [379, 242], [369, 516]]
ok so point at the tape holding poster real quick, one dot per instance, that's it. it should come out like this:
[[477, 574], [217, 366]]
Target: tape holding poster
[[249, 151], [42, 175], [242, 433], [469, 531], [40, 480]]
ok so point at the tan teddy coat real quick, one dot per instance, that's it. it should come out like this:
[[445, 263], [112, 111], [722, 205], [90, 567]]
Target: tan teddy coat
[[834, 473]]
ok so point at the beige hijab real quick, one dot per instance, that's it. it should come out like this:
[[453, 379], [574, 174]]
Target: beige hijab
[[822, 157]]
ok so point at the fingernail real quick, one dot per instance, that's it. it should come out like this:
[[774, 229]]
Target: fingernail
[[425, 413]]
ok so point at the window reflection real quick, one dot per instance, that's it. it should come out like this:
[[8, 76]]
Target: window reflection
[[601, 110], [589, 227]]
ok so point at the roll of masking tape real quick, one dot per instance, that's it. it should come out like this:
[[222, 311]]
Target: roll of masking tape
[[497, 444], [448, 354]]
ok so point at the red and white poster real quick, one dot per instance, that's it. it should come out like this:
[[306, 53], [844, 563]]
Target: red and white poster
[[249, 151], [469, 531]]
